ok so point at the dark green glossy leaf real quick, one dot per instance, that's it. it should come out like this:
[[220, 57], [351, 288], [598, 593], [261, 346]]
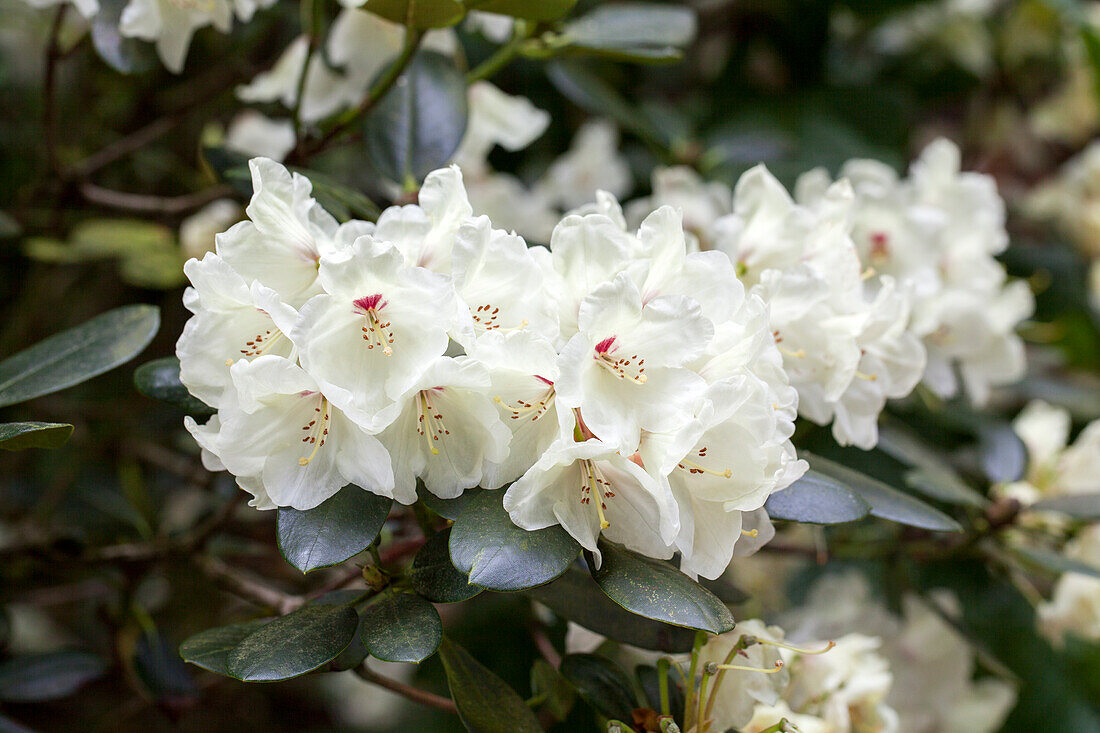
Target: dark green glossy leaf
[[341, 527], [648, 678], [536, 10], [40, 677], [486, 704], [587, 90], [161, 671], [576, 597], [557, 694], [1002, 453], [418, 13], [931, 475], [356, 650], [1055, 562], [341, 201], [644, 32], [294, 644], [446, 508], [435, 577], [886, 502], [601, 683], [230, 166], [657, 590], [816, 499], [160, 380], [400, 627], [419, 124], [23, 435], [210, 649], [1079, 506], [498, 555], [77, 355]]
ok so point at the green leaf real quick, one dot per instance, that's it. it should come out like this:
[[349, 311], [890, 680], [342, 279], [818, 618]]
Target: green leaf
[[341, 201], [230, 166], [419, 14], [40, 677], [1085, 507], [644, 32], [77, 355], [588, 91], [446, 508], [576, 597], [657, 590], [816, 499], [7, 725], [557, 694], [886, 502], [147, 252], [123, 54], [294, 644], [419, 124], [341, 527], [160, 380], [23, 435], [601, 683], [486, 704], [649, 679], [435, 577], [210, 649], [930, 475], [498, 555], [1054, 562], [400, 627], [536, 10], [1003, 455]]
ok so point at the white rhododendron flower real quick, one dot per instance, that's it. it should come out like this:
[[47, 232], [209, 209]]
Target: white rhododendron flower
[[1075, 604], [496, 118], [591, 164], [936, 233], [701, 203], [256, 135], [1072, 200], [198, 232], [86, 8], [741, 692], [425, 232]]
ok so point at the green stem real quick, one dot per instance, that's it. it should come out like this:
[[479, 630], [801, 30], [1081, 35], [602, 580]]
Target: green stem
[[311, 12], [740, 646], [779, 727], [689, 707], [700, 716], [662, 684], [503, 55]]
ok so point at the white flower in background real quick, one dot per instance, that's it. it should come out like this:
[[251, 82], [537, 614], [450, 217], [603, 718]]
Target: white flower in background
[[511, 205], [932, 664], [590, 489], [936, 233], [232, 321], [591, 164], [957, 28], [1055, 467], [1075, 604], [1072, 200], [280, 431], [496, 118], [495, 27], [359, 43], [447, 431], [285, 237], [172, 23], [766, 717], [502, 280], [256, 135], [522, 369], [701, 202], [376, 330], [86, 8], [1071, 114], [846, 686], [198, 232], [624, 367], [740, 692], [425, 232]]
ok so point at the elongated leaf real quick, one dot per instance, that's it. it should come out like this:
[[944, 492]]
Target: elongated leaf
[[23, 435], [816, 499], [7, 725], [1003, 454], [161, 672], [1079, 506], [341, 527], [210, 649], [294, 644], [643, 32], [587, 90], [486, 704], [886, 502], [1055, 562], [601, 683], [657, 590], [123, 54], [576, 597], [341, 201], [40, 677], [78, 354], [401, 627], [498, 555], [930, 475], [160, 379], [536, 10], [418, 13], [419, 124], [435, 577], [558, 695], [649, 679]]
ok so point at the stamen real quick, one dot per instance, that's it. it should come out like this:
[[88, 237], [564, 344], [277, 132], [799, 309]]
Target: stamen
[[429, 422], [523, 407], [317, 431], [712, 666], [866, 377], [632, 368], [868, 274], [750, 532], [829, 645], [591, 481], [260, 343], [377, 332], [800, 354], [486, 316], [692, 467]]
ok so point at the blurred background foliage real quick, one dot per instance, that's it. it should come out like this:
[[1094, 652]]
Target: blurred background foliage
[[792, 83]]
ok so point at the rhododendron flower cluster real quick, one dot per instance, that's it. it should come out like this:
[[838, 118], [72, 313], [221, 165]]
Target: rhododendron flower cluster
[[621, 385]]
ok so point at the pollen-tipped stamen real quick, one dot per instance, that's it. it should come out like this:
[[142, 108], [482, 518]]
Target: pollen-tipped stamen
[[632, 368], [317, 431], [261, 342], [429, 422], [590, 486], [798, 650]]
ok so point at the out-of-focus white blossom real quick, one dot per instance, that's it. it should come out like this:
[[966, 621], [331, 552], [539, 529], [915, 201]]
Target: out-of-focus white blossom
[[198, 231], [257, 135], [86, 8], [957, 28], [1075, 604], [1072, 199], [591, 164]]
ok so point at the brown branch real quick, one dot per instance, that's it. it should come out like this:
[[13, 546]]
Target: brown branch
[[152, 204], [49, 89], [123, 146], [545, 646], [415, 694], [247, 587]]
